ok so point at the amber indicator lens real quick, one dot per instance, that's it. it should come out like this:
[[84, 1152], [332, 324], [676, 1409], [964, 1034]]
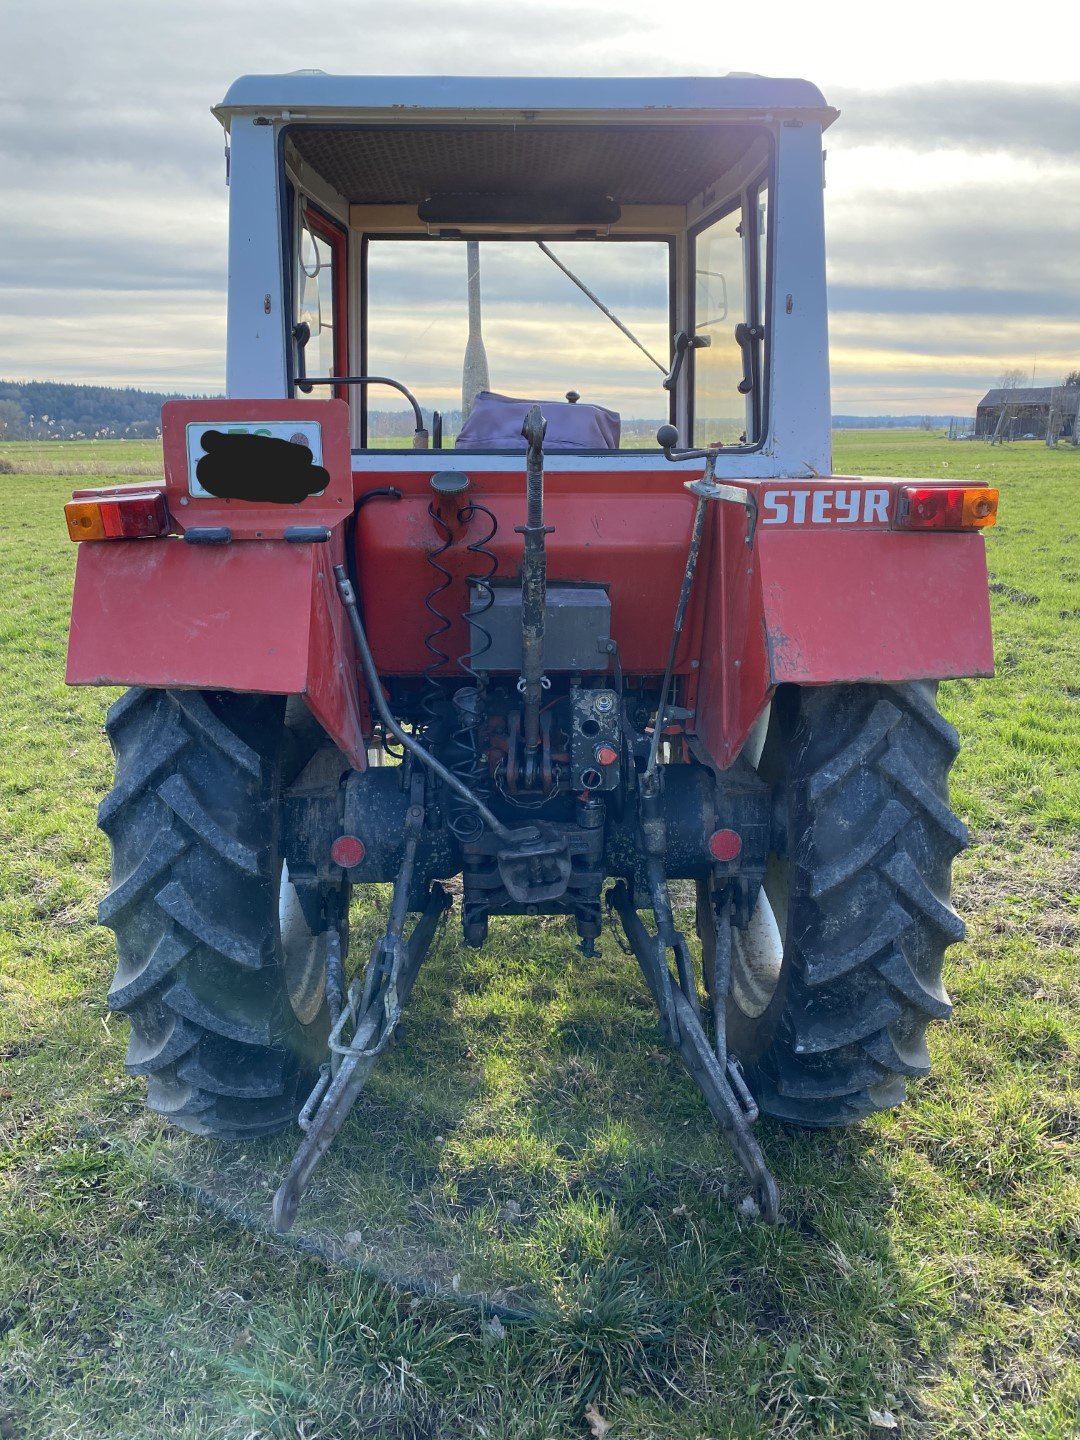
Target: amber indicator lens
[[946, 507], [118, 517]]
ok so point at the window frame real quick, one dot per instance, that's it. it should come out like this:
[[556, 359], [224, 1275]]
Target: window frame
[[755, 286], [336, 235], [668, 240]]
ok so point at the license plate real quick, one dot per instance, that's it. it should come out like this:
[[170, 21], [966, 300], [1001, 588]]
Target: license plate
[[300, 432]]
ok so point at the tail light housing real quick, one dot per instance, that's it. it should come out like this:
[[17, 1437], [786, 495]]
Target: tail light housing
[[118, 517], [946, 507]]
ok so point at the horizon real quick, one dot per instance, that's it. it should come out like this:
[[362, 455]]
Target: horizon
[[404, 415]]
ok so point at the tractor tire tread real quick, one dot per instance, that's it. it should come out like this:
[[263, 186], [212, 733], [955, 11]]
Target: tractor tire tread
[[870, 916], [133, 982], [178, 795], [193, 905]]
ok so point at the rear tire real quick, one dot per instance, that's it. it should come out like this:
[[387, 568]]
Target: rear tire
[[861, 898], [228, 1024]]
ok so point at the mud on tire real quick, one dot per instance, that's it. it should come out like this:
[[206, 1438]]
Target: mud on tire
[[863, 771], [193, 820]]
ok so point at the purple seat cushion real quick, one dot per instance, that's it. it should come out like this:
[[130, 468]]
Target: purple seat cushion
[[495, 423]]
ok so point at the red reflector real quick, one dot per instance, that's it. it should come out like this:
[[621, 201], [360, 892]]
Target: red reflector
[[725, 844], [118, 517], [946, 507], [347, 851], [606, 755]]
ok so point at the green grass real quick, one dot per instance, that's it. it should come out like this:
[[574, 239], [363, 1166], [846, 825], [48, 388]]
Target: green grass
[[528, 1139]]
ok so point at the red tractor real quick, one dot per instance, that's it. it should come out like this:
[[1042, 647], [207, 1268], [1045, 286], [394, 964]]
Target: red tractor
[[514, 643]]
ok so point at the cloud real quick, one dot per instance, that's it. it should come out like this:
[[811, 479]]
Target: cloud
[[1031, 120], [156, 339], [952, 206], [965, 248], [889, 362]]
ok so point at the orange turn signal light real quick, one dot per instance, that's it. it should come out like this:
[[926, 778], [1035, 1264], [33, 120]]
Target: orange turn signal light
[[118, 517], [946, 507]]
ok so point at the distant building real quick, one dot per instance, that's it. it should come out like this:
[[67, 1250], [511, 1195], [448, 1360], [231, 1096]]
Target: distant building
[[1028, 412]]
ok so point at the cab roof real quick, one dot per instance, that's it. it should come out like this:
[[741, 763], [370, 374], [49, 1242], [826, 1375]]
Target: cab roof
[[313, 93]]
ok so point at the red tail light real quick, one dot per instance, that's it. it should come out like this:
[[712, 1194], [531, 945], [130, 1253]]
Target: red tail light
[[946, 507], [725, 844], [118, 517], [347, 851]]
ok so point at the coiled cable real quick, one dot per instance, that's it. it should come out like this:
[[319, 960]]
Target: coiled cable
[[432, 693]]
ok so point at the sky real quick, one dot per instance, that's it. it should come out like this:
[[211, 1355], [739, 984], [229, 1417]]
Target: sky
[[953, 174]]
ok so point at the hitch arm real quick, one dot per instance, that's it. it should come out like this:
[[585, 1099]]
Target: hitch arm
[[374, 1010], [334, 1098], [722, 1085]]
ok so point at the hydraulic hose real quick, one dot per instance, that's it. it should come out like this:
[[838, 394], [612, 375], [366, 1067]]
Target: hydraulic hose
[[680, 615], [407, 741]]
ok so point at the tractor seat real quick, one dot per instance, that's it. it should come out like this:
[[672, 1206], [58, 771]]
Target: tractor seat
[[495, 423]]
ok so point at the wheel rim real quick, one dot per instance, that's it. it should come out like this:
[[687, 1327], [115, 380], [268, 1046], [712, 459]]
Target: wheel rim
[[757, 953], [304, 954]]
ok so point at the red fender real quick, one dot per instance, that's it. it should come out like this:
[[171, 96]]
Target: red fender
[[823, 603], [258, 614]]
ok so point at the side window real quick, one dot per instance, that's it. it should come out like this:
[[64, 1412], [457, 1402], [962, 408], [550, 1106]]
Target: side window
[[320, 302], [729, 331]]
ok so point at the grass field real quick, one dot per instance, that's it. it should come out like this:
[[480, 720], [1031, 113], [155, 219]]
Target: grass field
[[928, 1263]]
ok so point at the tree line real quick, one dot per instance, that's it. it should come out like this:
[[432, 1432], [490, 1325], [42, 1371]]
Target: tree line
[[48, 410]]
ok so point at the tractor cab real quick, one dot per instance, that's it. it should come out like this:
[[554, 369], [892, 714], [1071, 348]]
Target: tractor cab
[[627, 252]]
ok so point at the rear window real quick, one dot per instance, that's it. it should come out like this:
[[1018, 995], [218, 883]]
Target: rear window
[[450, 317]]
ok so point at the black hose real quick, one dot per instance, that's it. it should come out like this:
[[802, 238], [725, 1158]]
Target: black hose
[[410, 742], [380, 492], [680, 615]]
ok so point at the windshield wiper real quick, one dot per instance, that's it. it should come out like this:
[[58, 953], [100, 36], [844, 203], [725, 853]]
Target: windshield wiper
[[601, 306]]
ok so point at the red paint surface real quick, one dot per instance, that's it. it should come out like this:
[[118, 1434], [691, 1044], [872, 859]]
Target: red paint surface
[[877, 606], [820, 606], [248, 617], [628, 532], [808, 604]]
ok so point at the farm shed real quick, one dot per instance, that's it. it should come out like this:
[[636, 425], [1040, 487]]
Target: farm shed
[[1030, 411]]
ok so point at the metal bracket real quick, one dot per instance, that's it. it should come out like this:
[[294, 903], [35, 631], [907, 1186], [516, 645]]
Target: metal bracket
[[709, 489], [721, 1083], [372, 1009], [536, 871]]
